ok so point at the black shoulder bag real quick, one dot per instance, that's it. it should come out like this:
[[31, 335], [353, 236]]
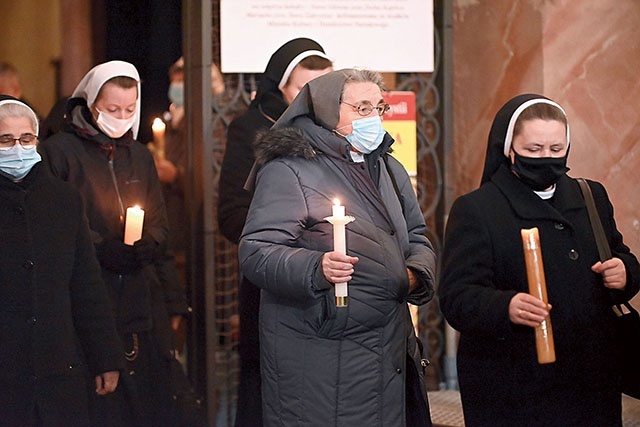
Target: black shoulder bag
[[627, 318]]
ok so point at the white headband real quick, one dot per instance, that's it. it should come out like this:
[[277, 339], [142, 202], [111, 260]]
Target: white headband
[[512, 123], [295, 61], [34, 116]]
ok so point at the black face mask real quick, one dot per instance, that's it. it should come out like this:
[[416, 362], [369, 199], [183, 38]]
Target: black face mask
[[539, 173]]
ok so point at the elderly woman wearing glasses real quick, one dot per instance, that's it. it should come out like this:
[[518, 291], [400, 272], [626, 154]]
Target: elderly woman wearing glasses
[[323, 364], [57, 329]]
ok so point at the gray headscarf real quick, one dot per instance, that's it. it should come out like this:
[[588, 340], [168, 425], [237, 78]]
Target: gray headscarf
[[319, 99]]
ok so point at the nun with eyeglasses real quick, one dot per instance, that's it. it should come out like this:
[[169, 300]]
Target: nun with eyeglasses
[[328, 358], [57, 328]]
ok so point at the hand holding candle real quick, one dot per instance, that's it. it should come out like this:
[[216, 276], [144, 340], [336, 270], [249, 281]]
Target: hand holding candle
[[339, 220], [158, 127], [133, 225], [538, 288]]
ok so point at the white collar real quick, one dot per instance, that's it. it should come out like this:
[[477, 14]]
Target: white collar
[[547, 194], [356, 157]]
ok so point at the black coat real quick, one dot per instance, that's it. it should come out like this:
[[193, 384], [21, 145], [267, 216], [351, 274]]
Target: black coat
[[57, 327], [90, 160], [501, 382], [234, 203], [239, 156]]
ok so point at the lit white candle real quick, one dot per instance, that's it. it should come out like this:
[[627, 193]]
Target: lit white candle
[[339, 220], [133, 225], [337, 209], [158, 127]]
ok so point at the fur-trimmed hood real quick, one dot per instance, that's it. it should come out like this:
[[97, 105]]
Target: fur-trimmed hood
[[305, 139], [287, 142]]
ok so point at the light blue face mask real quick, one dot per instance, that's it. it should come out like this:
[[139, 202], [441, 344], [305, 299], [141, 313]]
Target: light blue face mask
[[367, 134], [17, 161], [176, 94]]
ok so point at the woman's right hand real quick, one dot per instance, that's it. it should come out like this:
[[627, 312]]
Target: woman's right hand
[[167, 171], [525, 309], [337, 267]]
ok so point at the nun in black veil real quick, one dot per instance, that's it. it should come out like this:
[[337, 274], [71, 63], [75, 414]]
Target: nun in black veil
[[483, 287], [289, 68]]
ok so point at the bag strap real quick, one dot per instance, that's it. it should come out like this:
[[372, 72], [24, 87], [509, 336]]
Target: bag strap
[[604, 251], [394, 182]]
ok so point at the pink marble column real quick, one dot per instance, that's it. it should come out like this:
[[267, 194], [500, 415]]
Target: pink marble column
[[76, 49], [585, 54]]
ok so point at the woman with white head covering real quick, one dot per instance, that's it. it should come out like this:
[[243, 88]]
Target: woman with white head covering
[[57, 329], [484, 289], [18, 155], [122, 77], [98, 154]]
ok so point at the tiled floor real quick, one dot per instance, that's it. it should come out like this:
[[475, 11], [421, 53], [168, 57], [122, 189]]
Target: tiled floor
[[446, 410]]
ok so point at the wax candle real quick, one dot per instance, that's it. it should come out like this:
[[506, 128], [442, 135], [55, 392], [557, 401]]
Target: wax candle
[[133, 225], [339, 235], [339, 221], [337, 209], [538, 288], [158, 127]]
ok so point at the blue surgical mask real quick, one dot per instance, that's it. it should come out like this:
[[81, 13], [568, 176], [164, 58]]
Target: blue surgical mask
[[176, 94], [17, 161], [367, 134]]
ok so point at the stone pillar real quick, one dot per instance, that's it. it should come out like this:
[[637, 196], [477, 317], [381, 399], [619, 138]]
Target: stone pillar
[[585, 55], [76, 54]]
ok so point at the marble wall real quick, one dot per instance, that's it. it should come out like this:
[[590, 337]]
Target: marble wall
[[584, 54], [31, 42]]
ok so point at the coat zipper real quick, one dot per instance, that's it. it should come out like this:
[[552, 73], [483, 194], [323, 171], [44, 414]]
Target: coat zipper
[[115, 185]]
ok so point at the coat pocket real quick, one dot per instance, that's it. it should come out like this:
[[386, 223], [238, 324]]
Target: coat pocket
[[325, 319]]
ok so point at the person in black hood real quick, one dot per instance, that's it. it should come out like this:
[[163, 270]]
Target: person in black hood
[[484, 287], [99, 155], [289, 68], [57, 327]]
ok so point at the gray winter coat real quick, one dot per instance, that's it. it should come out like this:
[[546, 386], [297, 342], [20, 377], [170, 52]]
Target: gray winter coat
[[323, 365]]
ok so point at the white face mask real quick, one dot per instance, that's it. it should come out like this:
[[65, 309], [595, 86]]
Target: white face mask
[[17, 161], [113, 126]]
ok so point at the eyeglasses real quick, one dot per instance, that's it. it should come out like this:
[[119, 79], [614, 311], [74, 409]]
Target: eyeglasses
[[8, 140], [366, 108]]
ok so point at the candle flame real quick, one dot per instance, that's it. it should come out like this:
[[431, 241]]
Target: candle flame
[[336, 202], [158, 124]]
